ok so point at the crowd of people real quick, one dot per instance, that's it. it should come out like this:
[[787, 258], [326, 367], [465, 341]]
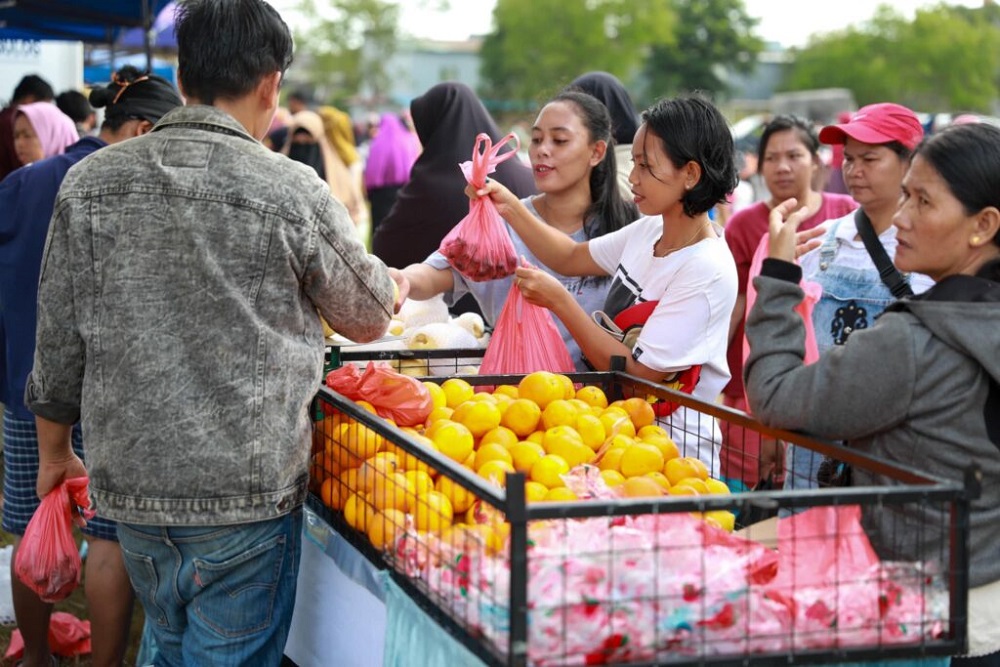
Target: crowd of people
[[164, 280]]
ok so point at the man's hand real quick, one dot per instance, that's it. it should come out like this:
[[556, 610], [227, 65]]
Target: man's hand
[[402, 288]]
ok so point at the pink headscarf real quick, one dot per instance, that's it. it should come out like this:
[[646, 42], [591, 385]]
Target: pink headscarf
[[55, 130], [391, 154]]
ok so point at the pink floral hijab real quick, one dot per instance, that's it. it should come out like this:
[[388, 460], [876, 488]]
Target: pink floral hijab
[[55, 130]]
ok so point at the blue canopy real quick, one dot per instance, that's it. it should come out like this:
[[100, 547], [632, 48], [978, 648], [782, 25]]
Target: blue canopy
[[75, 20]]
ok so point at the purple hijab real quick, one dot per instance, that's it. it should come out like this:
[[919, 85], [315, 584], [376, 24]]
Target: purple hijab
[[391, 154], [55, 130]]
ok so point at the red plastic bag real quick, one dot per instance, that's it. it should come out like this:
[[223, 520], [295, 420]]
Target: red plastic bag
[[395, 396], [525, 339], [48, 560], [68, 637], [479, 247]]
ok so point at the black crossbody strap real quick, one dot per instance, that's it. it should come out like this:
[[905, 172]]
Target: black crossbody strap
[[889, 274]]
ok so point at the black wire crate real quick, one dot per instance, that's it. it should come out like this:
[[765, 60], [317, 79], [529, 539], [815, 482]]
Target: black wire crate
[[598, 569], [418, 363]]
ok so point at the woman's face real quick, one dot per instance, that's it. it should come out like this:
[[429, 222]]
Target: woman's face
[[932, 228], [788, 167], [561, 151], [26, 143], [657, 185], [873, 174]]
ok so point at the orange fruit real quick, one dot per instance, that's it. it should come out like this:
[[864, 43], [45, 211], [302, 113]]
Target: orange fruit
[[542, 387], [500, 435], [433, 512], [617, 421], [666, 446], [495, 471], [492, 451], [659, 478], [560, 494], [534, 492], [612, 477], [717, 486], [682, 491], [699, 466], [721, 518], [639, 411], [384, 527], [612, 459], [569, 389], [506, 390], [351, 479], [524, 454], [641, 487], [678, 469], [453, 440], [391, 492], [374, 468], [357, 511], [420, 482], [485, 396], [456, 391], [694, 483], [367, 406], [479, 417], [591, 430], [406, 460], [437, 414], [564, 441], [641, 458], [438, 398], [321, 466], [559, 412], [522, 416], [536, 436], [548, 470], [333, 493], [593, 396], [461, 499], [359, 440], [470, 460]]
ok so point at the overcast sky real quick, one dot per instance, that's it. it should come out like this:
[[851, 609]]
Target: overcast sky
[[788, 22]]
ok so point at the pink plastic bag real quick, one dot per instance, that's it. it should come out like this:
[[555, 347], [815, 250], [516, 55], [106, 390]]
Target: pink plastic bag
[[479, 247], [395, 396], [813, 292], [48, 560], [525, 339]]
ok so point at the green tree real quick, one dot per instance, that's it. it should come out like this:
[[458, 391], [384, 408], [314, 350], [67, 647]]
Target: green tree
[[539, 46], [943, 59], [711, 36], [346, 44]]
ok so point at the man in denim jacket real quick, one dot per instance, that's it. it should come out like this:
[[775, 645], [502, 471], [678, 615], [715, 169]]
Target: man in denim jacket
[[183, 281]]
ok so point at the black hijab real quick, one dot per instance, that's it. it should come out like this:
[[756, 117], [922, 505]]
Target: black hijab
[[447, 119], [608, 89]]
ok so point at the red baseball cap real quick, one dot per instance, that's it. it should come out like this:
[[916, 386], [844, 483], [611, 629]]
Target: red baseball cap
[[877, 124]]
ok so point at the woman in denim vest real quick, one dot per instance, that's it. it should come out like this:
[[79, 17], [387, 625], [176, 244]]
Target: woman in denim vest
[[878, 140]]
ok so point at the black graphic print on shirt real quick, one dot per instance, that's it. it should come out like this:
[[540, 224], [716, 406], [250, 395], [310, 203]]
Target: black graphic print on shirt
[[624, 292], [847, 319]]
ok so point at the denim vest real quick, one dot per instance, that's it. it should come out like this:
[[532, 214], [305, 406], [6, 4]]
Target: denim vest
[[178, 318], [852, 299]]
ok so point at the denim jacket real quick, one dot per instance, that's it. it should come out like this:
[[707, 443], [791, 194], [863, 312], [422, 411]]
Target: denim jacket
[[178, 319]]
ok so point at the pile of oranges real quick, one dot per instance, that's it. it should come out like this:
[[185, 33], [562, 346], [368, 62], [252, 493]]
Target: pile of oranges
[[543, 427]]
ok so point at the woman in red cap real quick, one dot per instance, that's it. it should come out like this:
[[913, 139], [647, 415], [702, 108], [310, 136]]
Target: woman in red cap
[[878, 141]]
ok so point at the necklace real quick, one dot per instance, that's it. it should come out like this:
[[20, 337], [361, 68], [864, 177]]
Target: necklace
[[667, 251]]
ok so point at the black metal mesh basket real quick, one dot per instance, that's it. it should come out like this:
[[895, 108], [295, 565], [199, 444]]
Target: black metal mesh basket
[[865, 572]]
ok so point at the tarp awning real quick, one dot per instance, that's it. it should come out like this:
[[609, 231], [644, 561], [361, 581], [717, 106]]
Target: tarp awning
[[75, 20]]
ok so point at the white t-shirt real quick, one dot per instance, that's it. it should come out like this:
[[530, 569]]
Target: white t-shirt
[[696, 290], [852, 254]]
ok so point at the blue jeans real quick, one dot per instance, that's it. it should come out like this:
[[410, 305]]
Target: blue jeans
[[216, 595]]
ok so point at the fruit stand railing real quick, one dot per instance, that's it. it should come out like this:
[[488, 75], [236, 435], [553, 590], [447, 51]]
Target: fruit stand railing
[[643, 581]]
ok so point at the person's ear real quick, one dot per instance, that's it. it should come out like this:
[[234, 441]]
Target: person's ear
[[985, 226], [142, 127], [268, 90], [600, 149], [692, 175]]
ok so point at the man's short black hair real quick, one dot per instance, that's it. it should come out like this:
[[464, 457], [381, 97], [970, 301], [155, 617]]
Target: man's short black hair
[[74, 104], [35, 87], [225, 47]]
